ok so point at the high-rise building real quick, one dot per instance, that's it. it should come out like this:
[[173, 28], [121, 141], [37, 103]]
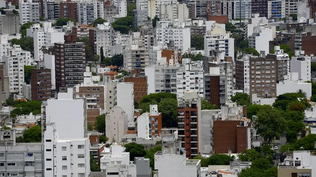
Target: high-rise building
[[140, 86], [66, 150], [189, 110], [29, 12], [53, 10], [259, 7], [20, 159], [242, 9], [116, 124], [302, 65], [136, 57], [41, 84], [10, 23], [69, 9], [125, 99], [14, 67], [276, 8], [86, 13], [70, 64], [149, 124]]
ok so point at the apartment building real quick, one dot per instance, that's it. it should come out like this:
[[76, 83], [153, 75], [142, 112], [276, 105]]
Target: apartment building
[[175, 35], [86, 13], [53, 10], [172, 160], [121, 7], [140, 86], [259, 7], [41, 84], [189, 109], [302, 65], [136, 57], [116, 124], [29, 12], [291, 7], [10, 23], [276, 8], [20, 159], [70, 64], [218, 40], [259, 75], [190, 78], [95, 95], [14, 67], [4, 45], [149, 124], [242, 9], [66, 150], [102, 38], [69, 9], [174, 11], [261, 37], [125, 99]]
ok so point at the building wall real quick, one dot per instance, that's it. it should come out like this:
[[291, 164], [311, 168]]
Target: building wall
[[285, 172], [69, 9], [116, 124], [308, 44], [259, 7], [125, 99], [41, 84], [140, 86], [12, 24]]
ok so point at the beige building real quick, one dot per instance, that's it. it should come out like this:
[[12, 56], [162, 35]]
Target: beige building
[[116, 124]]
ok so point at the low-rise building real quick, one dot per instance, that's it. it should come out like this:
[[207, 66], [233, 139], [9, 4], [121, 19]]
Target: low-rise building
[[149, 124]]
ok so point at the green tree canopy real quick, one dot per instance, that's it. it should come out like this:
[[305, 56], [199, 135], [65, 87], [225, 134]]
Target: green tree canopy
[[151, 155], [63, 21], [197, 41], [98, 21], [99, 124], [313, 66], [252, 51], [33, 134], [117, 60], [157, 97], [283, 101], [24, 27], [24, 108], [93, 164], [216, 159], [135, 150], [252, 110], [88, 49], [169, 110], [250, 155], [207, 105], [130, 8], [241, 99], [123, 24], [26, 43], [28, 73], [269, 123]]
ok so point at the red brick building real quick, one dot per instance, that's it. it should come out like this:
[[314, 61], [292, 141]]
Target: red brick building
[[140, 86], [41, 84]]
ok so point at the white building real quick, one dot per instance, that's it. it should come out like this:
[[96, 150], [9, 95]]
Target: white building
[[116, 124], [260, 38], [255, 21], [171, 161], [121, 7], [49, 63], [242, 9], [148, 123], [302, 65], [125, 99], [174, 11], [28, 12], [98, 9], [104, 38], [86, 12], [136, 57], [175, 35], [4, 45], [190, 78], [116, 161], [216, 39], [14, 67], [66, 149], [292, 85]]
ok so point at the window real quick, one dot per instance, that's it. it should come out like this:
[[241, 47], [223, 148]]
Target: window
[[80, 146], [81, 165], [64, 175], [11, 164], [64, 148], [48, 159], [64, 157], [64, 167], [1, 164], [48, 169], [48, 140], [81, 175], [48, 150], [80, 156]]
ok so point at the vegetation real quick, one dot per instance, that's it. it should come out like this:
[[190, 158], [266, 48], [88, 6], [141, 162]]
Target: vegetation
[[286, 49], [313, 66], [103, 139], [26, 43], [99, 124], [98, 21], [135, 150], [88, 48], [207, 105], [193, 57], [306, 143], [63, 21], [294, 17], [24, 108], [216, 159], [28, 73], [197, 41], [130, 8], [93, 164], [89, 127], [33, 135], [251, 51], [123, 25], [116, 60], [242, 99], [24, 27], [151, 155], [154, 22]]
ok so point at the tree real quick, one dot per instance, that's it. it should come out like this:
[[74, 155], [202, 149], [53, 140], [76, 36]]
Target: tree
[[98, 21], [135, 150], [294, 17], [63, 21], [207, 105], [107, 61], [89, 127], [154, 21], [286, 49], [261, 163], [33, 134], [241, 99], [93, 164], [169, 110], [26, 43], [150, 154], [130, 8], [252, 51], [307, 143], [269, 123], [216, 159], [24, 108], [103, 139], [102, 55], [313, 66], [24, 27], [252, 110], [313, 98], [28, 73], [99, 124], [197, 41], [117, 60], [250, 155], [123, 24], [157, 97]]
